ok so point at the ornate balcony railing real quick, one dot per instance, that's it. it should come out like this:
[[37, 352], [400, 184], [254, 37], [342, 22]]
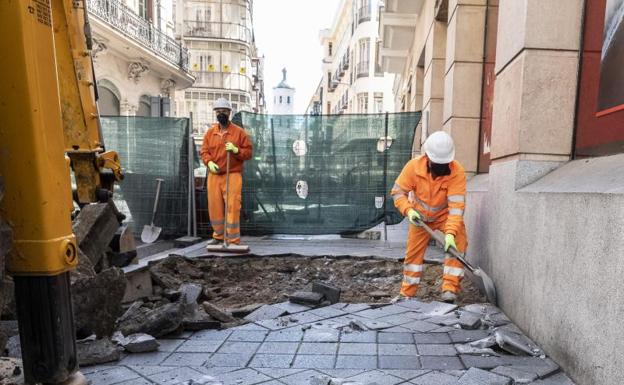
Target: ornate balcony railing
[[222, 80], [217, 30], [125, 21], [364, 14]]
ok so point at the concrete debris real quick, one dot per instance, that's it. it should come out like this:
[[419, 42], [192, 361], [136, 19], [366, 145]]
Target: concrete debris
[[96, 351], [496, 320], [11, 371], [218, 313], [518, 376], [172, 272], [197, 319], [157, 322], [137, 343], [97, 302], [306, 298], [266, 312], [94, 227], [517, 344], [468, 349], [203, 380], [475, 376], [243, 311], [326, 380], [486, 342], [331, 293], [190, 292]]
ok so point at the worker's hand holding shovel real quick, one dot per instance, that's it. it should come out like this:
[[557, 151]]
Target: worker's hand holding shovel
[[414, 217]]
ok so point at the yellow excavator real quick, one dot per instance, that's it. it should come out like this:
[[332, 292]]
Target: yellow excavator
[[49, 126]]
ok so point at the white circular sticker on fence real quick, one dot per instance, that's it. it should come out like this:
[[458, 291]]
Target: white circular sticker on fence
[[384, 143], [379, 201], [300, 148], [302, 189]]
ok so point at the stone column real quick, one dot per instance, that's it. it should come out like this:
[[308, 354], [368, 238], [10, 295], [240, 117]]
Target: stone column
[[537, 63], [463, 78], [433, 90]]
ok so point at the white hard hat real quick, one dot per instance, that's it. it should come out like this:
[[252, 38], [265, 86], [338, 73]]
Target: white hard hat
[[439, 147], [222, 103]]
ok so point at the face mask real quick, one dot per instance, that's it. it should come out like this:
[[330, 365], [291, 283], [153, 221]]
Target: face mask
[[438, 169], [223, 119]]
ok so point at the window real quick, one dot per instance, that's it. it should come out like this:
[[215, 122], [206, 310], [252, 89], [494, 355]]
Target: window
[[280, 100], [363, 57], [288, 99], [362, 102], [145, 9], [378, 102], [330, 47]]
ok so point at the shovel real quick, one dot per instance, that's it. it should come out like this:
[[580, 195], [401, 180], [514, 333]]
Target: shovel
[[485, 283], [150, 232]]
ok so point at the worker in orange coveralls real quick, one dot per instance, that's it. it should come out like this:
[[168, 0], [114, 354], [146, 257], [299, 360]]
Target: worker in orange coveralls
[[438, 186], [221, 138]]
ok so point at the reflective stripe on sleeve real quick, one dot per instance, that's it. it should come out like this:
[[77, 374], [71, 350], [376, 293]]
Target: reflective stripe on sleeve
[[456, 198], [454, 211]]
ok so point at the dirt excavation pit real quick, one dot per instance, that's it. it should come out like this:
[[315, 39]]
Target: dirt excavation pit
[[236, 282]]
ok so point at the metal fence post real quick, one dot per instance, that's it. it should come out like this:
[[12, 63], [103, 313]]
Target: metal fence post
[[385, 178]]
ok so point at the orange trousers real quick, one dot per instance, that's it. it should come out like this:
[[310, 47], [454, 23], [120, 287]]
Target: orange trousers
[[216, 206], [417, 242]]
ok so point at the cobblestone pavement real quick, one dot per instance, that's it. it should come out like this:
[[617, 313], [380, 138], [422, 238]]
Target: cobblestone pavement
[[409, 342]]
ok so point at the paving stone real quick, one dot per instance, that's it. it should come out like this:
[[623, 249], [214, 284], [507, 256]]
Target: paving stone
[[169, 345], [398, 362], [149, 359], [306, 298], [315, 361], [342, 373], [455, 373], [416, 316], [557, 379], [273, 382], [146, 370], [278, 348], [397, 350], [482, 308], [396, 319], [300, 378], [375, 324], [356, 362], [318, 348], [355, 307], [238, 347], [476, 376], [199, 346], [397, 329], [444, 329], [541, 366], [136, 381], [463, 336], [186, 359], [111, 375], [327, 312], [211, 335], [481, 362], [435, 378], [331, 293], [436, 350], [175, 376], [375, 377], [243, 377], [406, 374], [431, 338], [96, 368], [395, 338], [249, 326], [266, 312], [517, 375], [279, 372], [248, 336], [360, 337], [286, 335], [357, 349], [321, 335], [292, 308], [214, 371], [272, 361], [140, 343], [420, 326], [228, 359], [289, 321], [380, 312], [441, 363]]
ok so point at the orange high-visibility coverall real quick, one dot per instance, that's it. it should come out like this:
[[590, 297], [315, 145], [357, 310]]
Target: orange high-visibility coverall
[[213, 149], [441, 203]]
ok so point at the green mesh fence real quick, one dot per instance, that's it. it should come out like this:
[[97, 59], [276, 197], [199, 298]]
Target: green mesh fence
[[151, 148], [320, 174]]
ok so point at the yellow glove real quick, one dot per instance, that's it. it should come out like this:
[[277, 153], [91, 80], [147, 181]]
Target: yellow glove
[[212, 166], [449, 240], [413, 216], [229, 146]]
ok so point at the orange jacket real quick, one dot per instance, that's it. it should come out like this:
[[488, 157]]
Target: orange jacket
[[438, 200], [213, 147]]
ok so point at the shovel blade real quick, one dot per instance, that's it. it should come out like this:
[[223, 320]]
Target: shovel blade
[[486, 285], [150, 233]]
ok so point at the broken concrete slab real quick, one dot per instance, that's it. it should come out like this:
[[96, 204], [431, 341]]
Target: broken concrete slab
[[242, 312], [331, 293], [157, 322], [518, 376], [140, 343], [306, 298], [217, 313], [468, 349], [95, 352], [190, 292], [475, 376], [517, 344], [266, 312], [293, 308], [94, 227], [174, 271], [138, 286], [186, 241], [96, 302]]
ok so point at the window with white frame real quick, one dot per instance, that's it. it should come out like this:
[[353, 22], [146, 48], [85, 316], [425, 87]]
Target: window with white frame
[[362, 99], [378, 102]]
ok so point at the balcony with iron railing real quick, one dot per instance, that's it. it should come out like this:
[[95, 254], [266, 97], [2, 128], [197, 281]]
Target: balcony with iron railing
[[362, 69], [223, 80], [123, 20], [217, 30], [364, 14]]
